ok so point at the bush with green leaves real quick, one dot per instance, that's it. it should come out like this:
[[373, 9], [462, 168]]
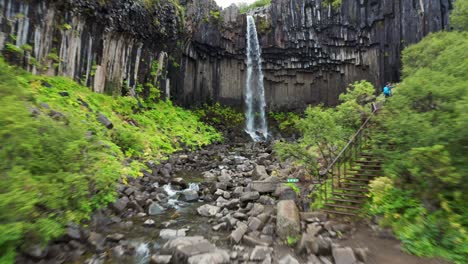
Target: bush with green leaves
[[325, 130], [58, 163], [220, 116], [425, 125]]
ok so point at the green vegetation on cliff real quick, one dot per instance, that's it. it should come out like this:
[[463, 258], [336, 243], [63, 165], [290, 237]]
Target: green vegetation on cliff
[[58, 162]]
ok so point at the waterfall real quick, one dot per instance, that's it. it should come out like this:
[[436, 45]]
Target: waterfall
[[256, 125]]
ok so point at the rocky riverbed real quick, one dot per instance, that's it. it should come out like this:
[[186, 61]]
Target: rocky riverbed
[[223, 204]]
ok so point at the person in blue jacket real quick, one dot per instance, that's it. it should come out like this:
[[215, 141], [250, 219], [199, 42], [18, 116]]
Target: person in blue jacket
[[387, 90]]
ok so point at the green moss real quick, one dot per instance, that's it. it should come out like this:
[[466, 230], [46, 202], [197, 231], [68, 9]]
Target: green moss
[[336, 4], [12, 48], [292, 240]]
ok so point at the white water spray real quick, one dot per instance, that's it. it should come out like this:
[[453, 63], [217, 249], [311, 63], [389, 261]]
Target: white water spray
[[256, 125]]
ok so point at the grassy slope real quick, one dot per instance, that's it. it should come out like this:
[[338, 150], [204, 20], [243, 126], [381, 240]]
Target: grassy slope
[[58, 163]]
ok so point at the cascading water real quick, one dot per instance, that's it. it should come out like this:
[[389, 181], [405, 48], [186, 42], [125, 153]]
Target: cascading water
[[256, 124]]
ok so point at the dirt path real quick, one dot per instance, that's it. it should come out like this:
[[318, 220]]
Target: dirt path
[[383, 250]]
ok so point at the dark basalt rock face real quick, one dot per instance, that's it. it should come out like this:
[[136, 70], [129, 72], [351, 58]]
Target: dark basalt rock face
[[108, 45], [310, 51]]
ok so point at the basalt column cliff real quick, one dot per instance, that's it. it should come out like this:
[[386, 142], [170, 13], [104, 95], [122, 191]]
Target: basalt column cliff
[[194, 52], [310, 51]]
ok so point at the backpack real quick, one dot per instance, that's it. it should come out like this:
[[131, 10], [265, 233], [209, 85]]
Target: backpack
[[386, 90]]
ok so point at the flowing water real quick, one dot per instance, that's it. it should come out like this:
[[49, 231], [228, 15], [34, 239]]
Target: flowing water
[[256, 124]]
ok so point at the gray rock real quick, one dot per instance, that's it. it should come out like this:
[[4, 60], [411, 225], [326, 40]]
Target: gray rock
[[208, 210], [325, 260], [284, 192], [255, 241], [259, 253], [179, 182], [209, 177], [171, 233], [288, 259], [73, 232], [259, 173], [343, 255], [115, 237], [311, 216], [149, 222], [189, 195], [287, 219], [238, 233], [219, 226], [266, 200], [240, 216], [225, 177], [312, 259], [314, 229], [97, 240], [118, 251], [361, 254], [249, 196], [222, 185], [268, 229], [104, 121], [155, 209], [254, 224], [160, 259], [267, 185], [217, 257], [183, 253], [256, 209], [120, 205], [238, 191], [36, 251]]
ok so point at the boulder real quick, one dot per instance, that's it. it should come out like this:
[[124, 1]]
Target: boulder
[[265, 186], [179, 182], [104, 121], [216, 257], [189, 196], [249, 196], [288, 259], [171, 233], [361, 254], [254, 224], [256, 209], [36, 251], [343, 255], [120, 205], [208, 210], [238, 233], [287, 219], [182, 248], [97, 240], [259, 253], [259, 173], [160, 259], [209, 177], [155, 209], [252, 240]]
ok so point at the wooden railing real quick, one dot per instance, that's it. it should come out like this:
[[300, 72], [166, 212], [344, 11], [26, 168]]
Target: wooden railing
[[336, 170]]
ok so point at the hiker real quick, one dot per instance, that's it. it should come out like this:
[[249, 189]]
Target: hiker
[[387, 90]]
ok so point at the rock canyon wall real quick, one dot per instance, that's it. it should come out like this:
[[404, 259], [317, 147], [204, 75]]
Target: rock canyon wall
[[311, 51]]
